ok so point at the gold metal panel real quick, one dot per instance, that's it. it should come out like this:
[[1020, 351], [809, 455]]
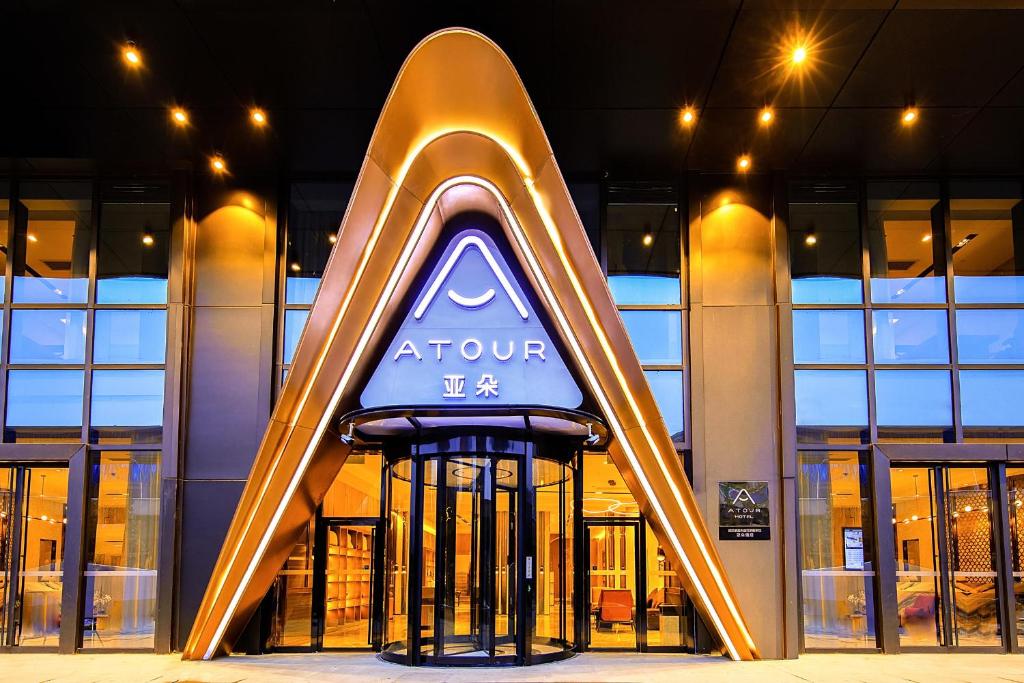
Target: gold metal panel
[[457, 132]]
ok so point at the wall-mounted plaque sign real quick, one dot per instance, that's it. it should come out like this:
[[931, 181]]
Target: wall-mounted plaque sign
[[743, 511], [853, 548]]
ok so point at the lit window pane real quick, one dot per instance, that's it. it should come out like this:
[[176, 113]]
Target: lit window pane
[[133, 336], [294, 321], [643, 251], [131, 259], [656, 336], [314, 215], [45, 398], [48, 336], [51, 263], [913, 398], [825, 254], [992, 398], [119, 610], [667, 387], [907, 336], [905, 239], [831, 398], [127, 398], [987, 224], [828, 336], [984, 336]]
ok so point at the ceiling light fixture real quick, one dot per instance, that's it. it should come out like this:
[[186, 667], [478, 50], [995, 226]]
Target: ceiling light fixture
[[799, 54], [810, 239], [258, 116], [218, 164], [296, 267], [179, 116], [648, 239], [332, 238], [688, 117], [910, 116], [743, 163], [131, 55], [31, 238], [766, 116], [927, 238], [147, 239]]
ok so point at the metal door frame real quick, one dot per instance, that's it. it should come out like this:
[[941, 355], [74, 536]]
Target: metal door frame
[[639, 584]]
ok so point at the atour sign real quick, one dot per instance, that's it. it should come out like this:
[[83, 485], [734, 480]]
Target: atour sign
[[471, 339]]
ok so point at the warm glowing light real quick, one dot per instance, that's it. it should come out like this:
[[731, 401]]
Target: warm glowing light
[[131, 55], [909, 117], [296, 267], [967, 508], [179, 116], [810, 239], [743, 163], [43, 518], [725, 201], [147, 240], [218, 164], [927, 238], [648, 239], [689, 116], [31, 238], [332, 238], [913, 518], [258, 116], [799, 55], [766, 116]]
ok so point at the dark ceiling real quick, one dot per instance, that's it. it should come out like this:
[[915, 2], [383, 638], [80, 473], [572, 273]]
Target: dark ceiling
[[608, 78]]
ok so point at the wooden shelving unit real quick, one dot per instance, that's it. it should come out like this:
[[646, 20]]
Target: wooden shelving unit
[[348, 575]]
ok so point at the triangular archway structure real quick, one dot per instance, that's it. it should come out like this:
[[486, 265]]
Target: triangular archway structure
[[457, 133]]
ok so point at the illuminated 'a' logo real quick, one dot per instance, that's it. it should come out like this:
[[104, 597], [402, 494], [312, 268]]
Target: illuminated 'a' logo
[[470, 302]]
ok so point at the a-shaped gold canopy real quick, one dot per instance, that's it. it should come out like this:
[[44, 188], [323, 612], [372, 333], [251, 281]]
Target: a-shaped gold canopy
[[458, 132]]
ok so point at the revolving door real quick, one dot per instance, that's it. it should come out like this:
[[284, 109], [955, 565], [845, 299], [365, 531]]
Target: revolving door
[[479, 552]]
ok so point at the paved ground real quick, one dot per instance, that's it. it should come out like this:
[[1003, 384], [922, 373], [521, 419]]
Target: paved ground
[[617, 667]]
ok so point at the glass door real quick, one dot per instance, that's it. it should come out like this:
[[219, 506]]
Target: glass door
[[33, 517], [348, 602], [946, 579], [612, 555]]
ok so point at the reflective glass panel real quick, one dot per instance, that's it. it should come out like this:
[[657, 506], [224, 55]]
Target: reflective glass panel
[[828, 336], [127, 398], [643, 252], [315, 212], [908, 336], [916, 540], [53, 232], [987, 224], [825, 253], [131, 257], [992, 398], [1015, 508], [356, 490], [656, 335], [667, 386], [48, 336], [666, 598], [611, 554], [913, 398], [292, 596], [130, 336], [120, 596], [990, 336], [349, 573], [831, 398], [42, 557], [837, 565], [45, 398], [294, 321], [396, 624], [905, 239]]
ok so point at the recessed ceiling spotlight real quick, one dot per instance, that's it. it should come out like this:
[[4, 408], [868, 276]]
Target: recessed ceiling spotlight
[[799, 54], [810, 239], [31, 238], [147, 239], [179, 116], [648, 239], [927, 238], [766, 116], [296, 267], [688, 117], [332, 238], [131, 55], [910, 116], [744, 163], [258, 117], [218, 164]]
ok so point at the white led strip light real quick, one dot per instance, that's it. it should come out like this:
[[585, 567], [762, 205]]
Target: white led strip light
[[567, 333]]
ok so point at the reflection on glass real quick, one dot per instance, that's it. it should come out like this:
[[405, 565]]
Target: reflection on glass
[[553, 562], [292, 594], [49, 336], [643, 252], [987, 224], [45, 398], [656, 336], [909, 336], [918, 598], [666, 600], [667, 387], [131, 256], [836, 542], [825, 253], [990, 336], [315, 212], [611, 553], [127, 398], [356, 490], [294, 322], [44, 520], [1015, 508], [992, 398], [52, 242], [131, 336], [905, 239], [120, 597], [397, 558], [831, 398], [913, 398], [604, 492], [349, 573], [828, 337]]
